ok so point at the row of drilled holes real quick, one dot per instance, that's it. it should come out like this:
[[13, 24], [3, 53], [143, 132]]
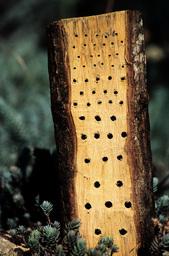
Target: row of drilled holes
[[119, 184], [98, 118], [109, 204], [94, 65], [103, 44], [88, 104], [86, 80], [97, 35], [98, 55], [104, 159], [97, 135], [122, 231], [94, 92]]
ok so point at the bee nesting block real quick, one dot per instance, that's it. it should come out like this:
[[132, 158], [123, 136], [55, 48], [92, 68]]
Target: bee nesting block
[[99, 104]]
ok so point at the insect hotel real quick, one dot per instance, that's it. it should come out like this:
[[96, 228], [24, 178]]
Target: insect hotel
[[99, 103]]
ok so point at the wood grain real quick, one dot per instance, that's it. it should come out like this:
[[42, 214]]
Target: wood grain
[[99, 103]]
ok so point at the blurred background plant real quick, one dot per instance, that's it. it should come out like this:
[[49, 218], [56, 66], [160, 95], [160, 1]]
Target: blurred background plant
[[26, 129]]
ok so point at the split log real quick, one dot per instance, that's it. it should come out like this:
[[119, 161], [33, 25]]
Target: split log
[[100, 110]]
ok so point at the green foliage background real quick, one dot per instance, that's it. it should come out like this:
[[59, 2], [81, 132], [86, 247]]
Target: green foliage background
[[24, 100]]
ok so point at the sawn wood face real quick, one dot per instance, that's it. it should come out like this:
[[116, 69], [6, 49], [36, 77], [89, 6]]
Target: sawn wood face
[[99, 103]]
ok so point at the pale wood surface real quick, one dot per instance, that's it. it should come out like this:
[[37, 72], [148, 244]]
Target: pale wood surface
[[97, 58], [92, 51]]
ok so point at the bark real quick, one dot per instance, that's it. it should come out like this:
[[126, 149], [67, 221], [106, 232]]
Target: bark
[[139, 144], [63, 124]]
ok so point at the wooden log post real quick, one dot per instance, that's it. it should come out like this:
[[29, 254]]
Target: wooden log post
[[99, 104]]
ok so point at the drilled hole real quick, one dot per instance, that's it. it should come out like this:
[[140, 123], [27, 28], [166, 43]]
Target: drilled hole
[[78, 56], [112, 66], [74, 46], [121, 41], [97, 35], [81, 93], [86, 80], [116, 34], [124, 134], [119, 183], [74, 68], [84, 44], [115, 92], [98, 55], [91, 56], [102, 63], [123, 78], [94, 44], [109, 77], [113, 118], [109, 55], [110, 136], [123, 232], [97, 78], [82, 117], [99, 102], [75, 104], [105, 159], [112, 43], [104, 44], [108, 204], [98, 118], [97, 184], [119, 157], [117, 54], [87, 160], [121, 102], [85, 35], [97, 231], [88, 206], [84, 66], [94, 65], [83, 136], [93, 92], [76, 35], [128, 204], [110, 101], [88, 104], [74, 80], [105, 91], [96, 135], [122, 66]]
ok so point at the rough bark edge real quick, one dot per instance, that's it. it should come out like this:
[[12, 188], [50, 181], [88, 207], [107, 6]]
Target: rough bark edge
[[139, 154], [59, 74]]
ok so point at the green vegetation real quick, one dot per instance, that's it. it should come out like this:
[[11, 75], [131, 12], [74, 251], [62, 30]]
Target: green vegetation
[[51, 240]]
